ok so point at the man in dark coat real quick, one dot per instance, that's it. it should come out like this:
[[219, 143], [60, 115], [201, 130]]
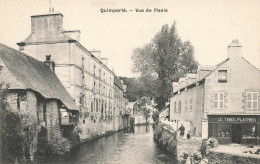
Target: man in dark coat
[[182, 130]]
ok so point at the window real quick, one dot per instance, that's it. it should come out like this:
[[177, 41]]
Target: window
[[175, 108], [94, 70], [94, 87], [179, 107], [99, 73], [252, 100], [190, 103], [94, 104], [92, 107], [186, 106], [219, 100], [97, 105], [44, 114], [222, 75], [21, 96]]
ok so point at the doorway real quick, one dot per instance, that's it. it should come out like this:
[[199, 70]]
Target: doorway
[[236, 133]]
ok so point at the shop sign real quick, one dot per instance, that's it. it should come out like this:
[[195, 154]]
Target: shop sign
[[233, 119]]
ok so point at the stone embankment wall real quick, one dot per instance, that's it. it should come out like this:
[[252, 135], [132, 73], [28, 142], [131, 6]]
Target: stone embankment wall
[[188, 146], [181, 147], [215, 157]]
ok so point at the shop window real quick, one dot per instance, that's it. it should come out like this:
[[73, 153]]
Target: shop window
[[179, 107], [219, 100], [223, 130], [248, 131], [222, 75], [190, 103], [252, 100]]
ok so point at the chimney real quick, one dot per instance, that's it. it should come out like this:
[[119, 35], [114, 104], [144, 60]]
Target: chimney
[[104, 61], [175, 86], [50, 63], [203, 71], [182, 82], [96, 53], [47, 24], [73, 34], [234, 49], [190, 78]]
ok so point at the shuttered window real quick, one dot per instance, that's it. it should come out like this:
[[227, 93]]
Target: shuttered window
[[190, 103], [219, 100], [179, 107], [252, 100], [186, 105]]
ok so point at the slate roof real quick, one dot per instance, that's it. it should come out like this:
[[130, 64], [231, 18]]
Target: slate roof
[[48, 38], [25, 72], [203, 77]]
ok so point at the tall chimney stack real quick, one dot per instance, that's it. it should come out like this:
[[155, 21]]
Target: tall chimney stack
[[50, 63], [234, 49]]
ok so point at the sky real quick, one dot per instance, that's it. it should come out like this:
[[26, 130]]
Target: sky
[[208, 24]]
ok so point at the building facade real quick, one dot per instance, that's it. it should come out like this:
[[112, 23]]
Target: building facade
[[220, 101], [39, 99], [84, 73]]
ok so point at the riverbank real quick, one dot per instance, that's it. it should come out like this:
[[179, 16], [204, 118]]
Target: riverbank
[[234, 153], [138, 147], [182, 148]]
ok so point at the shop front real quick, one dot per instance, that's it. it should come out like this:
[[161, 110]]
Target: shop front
[[241, 129]]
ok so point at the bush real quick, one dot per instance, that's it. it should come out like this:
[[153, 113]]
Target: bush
[[10, 131]]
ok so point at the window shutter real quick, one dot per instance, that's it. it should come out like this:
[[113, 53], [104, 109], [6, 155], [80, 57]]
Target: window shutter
[[211, 100], [244, 100], [225, 100], [258, 99]]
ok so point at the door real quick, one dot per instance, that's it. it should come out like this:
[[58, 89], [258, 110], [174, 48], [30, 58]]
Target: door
[[236, 133]]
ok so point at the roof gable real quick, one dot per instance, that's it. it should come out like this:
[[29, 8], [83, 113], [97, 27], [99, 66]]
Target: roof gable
[[35, 75]]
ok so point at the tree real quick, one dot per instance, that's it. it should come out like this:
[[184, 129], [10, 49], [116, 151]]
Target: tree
[[137, 88], [144, 105], [162, 61]]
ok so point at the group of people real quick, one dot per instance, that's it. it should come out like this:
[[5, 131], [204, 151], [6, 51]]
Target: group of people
[[182, 131]]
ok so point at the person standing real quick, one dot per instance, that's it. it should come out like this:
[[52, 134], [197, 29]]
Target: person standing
[[182, 130]]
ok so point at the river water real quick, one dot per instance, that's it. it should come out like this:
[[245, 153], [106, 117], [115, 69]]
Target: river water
[[121, 147]]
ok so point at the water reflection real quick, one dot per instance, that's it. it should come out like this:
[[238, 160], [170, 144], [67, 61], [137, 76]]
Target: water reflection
[[138, 147]]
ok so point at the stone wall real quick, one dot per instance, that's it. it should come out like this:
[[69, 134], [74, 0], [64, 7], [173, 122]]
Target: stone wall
[[188, 146], [224, 158]]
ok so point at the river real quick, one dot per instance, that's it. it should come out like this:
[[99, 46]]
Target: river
[[121, 147]]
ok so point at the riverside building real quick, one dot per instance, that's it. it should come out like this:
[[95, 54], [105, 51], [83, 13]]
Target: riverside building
[[221, 101], [84, 73]]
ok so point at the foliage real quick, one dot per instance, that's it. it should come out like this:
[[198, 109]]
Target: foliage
[[166, 139], [11, 138], [144, 105], [136, 88], [155, 116], [163, 60]]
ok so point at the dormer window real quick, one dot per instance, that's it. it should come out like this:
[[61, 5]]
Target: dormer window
[[222, 75]]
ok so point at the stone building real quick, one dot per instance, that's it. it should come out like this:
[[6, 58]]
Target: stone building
[[38, 97], [85, 74], [221, 101]]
